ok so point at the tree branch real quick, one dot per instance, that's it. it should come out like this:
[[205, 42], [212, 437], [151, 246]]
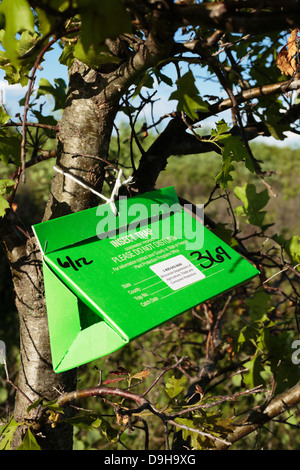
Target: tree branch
[[232, 17], [31, 124], [264, 414], [250, 94], [157, 46], [175, 141], [27, 98]]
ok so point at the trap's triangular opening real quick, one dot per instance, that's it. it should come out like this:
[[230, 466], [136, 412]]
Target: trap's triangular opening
[[87, 317]]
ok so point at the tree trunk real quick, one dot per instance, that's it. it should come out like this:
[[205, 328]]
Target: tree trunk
[[85, 129], [84, 136]]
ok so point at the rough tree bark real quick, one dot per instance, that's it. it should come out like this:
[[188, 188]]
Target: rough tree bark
[[85, 129], [84, 136]]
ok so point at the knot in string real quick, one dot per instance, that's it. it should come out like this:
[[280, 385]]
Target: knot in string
[[114, 193]]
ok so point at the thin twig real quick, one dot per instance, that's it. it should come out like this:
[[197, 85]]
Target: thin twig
[[9, 381], [201, 433], [27, 98], [30, 89], [282, 270], [203, 406], [2, 102], [30, 124], [161, 374]]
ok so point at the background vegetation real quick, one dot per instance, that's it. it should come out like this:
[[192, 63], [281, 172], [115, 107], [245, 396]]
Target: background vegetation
[[186, 336]]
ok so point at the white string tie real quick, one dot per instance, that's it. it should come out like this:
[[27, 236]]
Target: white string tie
[[114, 193]]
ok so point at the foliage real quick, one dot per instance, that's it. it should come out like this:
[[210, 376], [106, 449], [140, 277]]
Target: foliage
[[187, 96], [250, 335], [179, 381]]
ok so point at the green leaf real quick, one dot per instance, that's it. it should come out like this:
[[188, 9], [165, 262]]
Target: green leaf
[[232, 149], [108, 431], [18, 18], [67, 56], [53, 406], [3, 206], [94, 58], [248, 335], [10, 147], [49, 405], [174, 386], [290, 246], [12, 75], [87, 422], [221, 128], [185, 422], [277, 130], [252, 203], [29, 442], [60, 5], [49, 120], [34, 405], [26, 42], [18, 73], [7, 433], [235, 147], [259, 306], [6, 186], [58, 91], [272, 117], [294, 249], [146, 81], [102, 20], [3, 395], [224, 176], [206, 423], [161, 77], [224, 233], [253, 377], [4, 117], [187, 96], [252, 200], [45, 20]]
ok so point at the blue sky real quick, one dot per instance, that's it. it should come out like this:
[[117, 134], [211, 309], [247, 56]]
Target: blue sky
[[53, 69]]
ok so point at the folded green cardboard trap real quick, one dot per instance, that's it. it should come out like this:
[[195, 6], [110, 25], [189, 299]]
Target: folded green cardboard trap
[[110, 279]]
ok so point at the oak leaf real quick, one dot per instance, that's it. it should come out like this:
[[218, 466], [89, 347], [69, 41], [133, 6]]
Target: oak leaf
[[286, 61], [141, 375], [292, 44]]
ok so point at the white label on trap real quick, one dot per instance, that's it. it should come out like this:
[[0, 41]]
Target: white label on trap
[[177, 272]]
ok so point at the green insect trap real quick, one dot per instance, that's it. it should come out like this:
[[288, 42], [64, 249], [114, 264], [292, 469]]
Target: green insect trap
[[110, 277]]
